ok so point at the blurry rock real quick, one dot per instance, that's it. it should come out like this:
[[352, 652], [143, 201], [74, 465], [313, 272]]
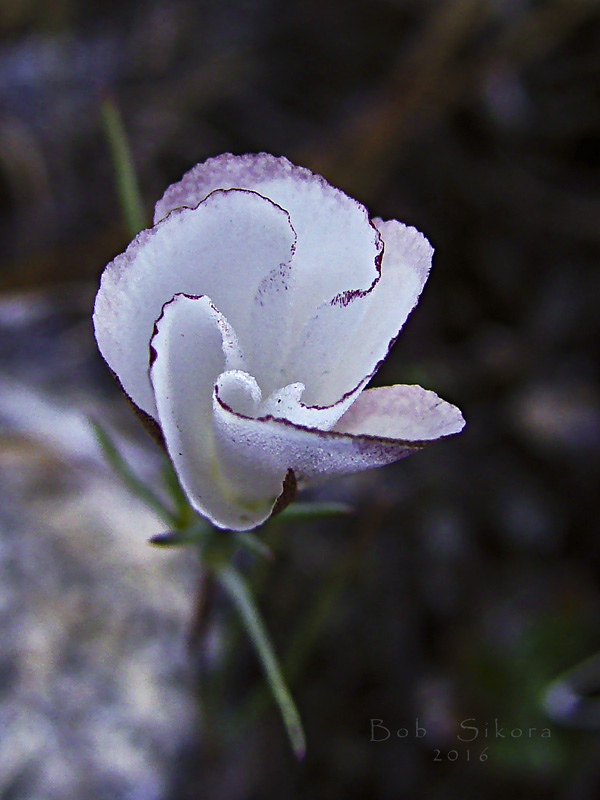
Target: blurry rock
[[96, 685]]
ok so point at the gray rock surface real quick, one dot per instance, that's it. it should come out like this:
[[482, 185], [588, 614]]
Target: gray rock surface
[[95, 680]]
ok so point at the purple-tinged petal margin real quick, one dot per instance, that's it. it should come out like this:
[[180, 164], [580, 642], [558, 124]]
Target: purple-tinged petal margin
[[401, 413], [343, 344], [224, 248], [193, 347], [338, 249], [385, 426]]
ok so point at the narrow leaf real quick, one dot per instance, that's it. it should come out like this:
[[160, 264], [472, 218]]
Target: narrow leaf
[[125, 178], [123, 470], [195, 534], [235, 586]]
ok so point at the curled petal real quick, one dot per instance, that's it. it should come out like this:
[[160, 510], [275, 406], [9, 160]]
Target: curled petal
[[387, 425], [192, 251], [346, 339], [287, 404], [193, 345], [338, 249]]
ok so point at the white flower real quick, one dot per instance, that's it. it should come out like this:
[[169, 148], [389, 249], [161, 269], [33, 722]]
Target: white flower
[[248, 321]]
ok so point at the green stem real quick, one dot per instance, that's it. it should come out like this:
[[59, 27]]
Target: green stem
[[127, 185], [235, 586]]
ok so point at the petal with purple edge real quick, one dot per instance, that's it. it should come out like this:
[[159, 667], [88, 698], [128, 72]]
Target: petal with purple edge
[[193, 346], [388, 425], [401, 413], [192, 251], [343, 343], [338, 249]]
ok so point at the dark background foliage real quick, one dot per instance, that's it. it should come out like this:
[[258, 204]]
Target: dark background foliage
[[467, 580]]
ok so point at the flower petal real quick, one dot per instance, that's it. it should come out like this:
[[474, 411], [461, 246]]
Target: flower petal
[[344, 342], [192, 251], [271, 315], [338, 249], [401, 413], [287, 404], [193, 345], [257, 484], [388, 424]]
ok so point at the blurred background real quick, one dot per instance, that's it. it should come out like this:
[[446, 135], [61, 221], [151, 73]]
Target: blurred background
[[467, 580]]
